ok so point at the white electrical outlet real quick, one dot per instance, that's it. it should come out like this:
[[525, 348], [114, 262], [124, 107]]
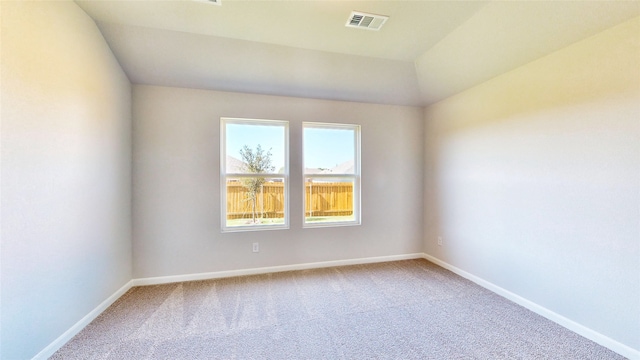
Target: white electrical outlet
[[256, 247], [439, 240]]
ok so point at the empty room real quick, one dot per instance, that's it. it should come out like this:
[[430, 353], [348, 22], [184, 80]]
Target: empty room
[[258, 179]]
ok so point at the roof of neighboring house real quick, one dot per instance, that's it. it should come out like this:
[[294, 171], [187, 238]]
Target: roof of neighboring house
[[234, 165], [237, 166], [346, 167]]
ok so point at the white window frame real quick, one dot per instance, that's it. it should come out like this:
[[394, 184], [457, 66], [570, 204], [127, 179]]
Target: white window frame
[[224, 175], [355, 177]]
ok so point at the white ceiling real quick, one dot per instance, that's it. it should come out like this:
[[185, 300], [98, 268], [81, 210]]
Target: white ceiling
[[427, 50]]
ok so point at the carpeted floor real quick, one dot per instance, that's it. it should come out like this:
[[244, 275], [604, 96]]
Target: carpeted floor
[[397, 310]]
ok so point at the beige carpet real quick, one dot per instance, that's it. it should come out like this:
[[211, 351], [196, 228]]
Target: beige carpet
[[397, 310]]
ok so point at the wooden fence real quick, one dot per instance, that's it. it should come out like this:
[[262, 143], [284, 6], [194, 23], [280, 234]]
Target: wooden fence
[[321, 199]]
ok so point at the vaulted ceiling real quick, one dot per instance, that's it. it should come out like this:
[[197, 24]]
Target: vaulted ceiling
[[425, 52]]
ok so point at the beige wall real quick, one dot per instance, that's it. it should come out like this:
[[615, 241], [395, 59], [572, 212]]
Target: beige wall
[[176, 178], [533, 181], [66, 178]]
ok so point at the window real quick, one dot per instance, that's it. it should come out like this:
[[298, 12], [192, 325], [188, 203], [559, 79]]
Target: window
[[332, 174], [254, 170]]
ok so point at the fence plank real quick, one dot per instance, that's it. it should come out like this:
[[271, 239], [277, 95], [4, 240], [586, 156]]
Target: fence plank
[[321, 199]]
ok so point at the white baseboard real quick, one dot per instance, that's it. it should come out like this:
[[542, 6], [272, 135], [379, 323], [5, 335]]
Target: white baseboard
[[271, 269], [77, 327], [588, 333]]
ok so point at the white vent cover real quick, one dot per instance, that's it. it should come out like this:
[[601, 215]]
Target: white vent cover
[[362, 20], [214, 2]]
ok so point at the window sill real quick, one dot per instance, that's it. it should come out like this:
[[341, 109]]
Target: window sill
[[330, 224], [254, 228]]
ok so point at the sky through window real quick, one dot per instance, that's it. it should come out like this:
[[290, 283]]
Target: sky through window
[[324, 148]]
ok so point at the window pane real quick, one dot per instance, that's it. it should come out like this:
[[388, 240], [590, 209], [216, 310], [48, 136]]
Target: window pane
[[332, 174], [255, 201], [329, 150], [329, 200], [254, 174], [244, 140]]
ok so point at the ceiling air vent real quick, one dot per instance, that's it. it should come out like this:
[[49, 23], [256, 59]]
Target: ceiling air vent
[[214, 2], [362, 20]]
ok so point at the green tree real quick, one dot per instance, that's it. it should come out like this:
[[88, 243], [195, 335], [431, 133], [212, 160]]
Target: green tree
[[256, 162]]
